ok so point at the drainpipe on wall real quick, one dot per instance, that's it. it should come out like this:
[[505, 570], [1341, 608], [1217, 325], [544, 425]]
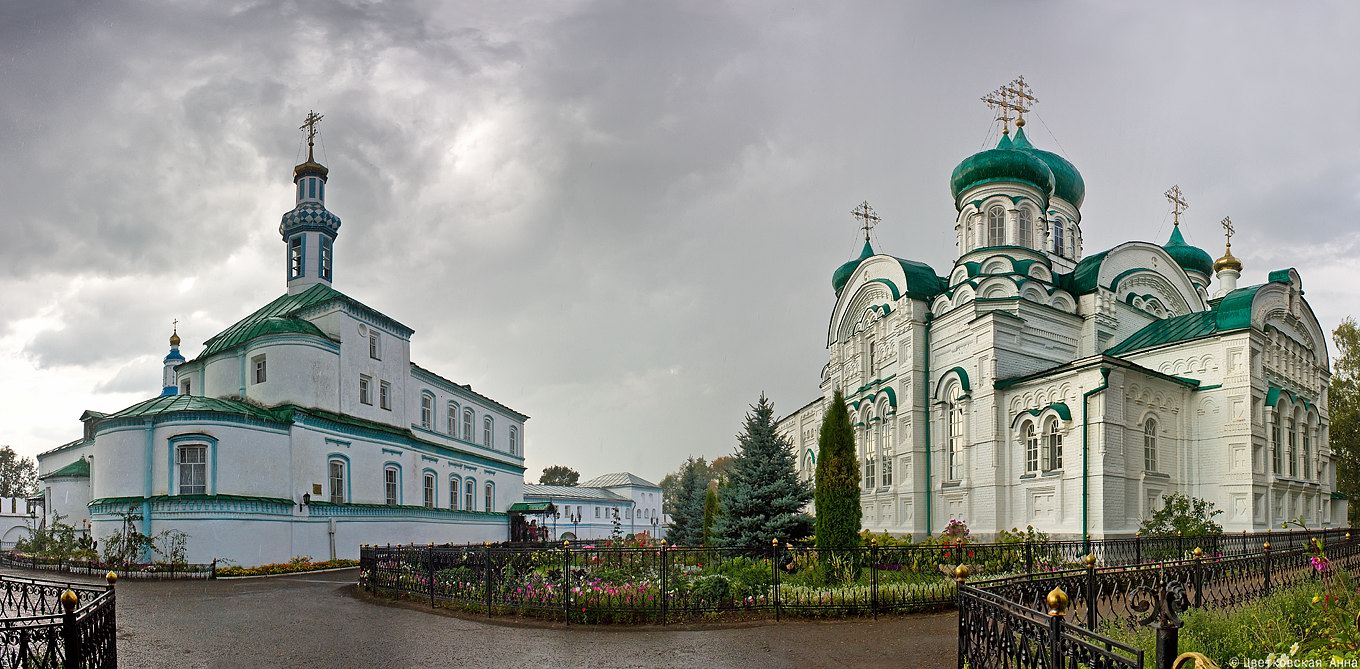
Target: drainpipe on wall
[[926, 404], [150, 426], [1085, 456], [332, 533]]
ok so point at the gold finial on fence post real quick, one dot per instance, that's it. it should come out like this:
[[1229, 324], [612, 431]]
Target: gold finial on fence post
[[111, 578], [961, 573], [1090, 560], [1198, 552], [1266, 546], [1057, 601], [68, 600]]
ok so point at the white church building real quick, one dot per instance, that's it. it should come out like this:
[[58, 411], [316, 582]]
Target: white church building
[[302, 429], [1032, 383]]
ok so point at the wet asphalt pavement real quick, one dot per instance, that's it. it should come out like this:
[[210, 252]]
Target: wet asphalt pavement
[[316, 620]]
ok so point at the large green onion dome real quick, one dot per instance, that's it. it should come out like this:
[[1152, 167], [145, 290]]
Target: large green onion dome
[[1067, 181], [843, 273], [1190, 258], [1009, 161]]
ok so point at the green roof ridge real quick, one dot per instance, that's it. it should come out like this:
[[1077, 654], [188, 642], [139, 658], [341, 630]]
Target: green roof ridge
[[175, 403], [78, 469]]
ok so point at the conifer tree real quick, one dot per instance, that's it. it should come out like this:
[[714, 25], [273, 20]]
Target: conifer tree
[[710, 512], [687, 514], [837, 498], [764, 497]]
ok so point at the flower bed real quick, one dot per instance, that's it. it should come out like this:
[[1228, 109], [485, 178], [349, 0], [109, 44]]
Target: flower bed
[[291, 567]]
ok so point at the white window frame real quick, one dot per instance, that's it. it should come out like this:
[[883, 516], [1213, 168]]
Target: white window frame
[[1150, 444], [365, 390], [384, 395], [955, 434], [455, 489], [391, 485], [468, 416], [429, 494], [1053, 445], [490, 500], [996, 226], [336, 483], [1030, 436], [488, 432], [259, 369], [469, 494], [374, 345], [514, 440], [187, 467], [426, 410], [1026, 224], [453, 412]]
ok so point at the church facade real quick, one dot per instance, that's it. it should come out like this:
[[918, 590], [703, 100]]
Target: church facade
[[1033, 383], [302, 429]]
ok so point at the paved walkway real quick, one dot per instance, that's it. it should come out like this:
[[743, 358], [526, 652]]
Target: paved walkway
[[314, 620]]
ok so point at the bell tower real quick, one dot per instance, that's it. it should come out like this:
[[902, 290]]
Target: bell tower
[[309, 230]]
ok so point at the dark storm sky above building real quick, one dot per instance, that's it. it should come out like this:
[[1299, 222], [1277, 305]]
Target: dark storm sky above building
[[618, 217]]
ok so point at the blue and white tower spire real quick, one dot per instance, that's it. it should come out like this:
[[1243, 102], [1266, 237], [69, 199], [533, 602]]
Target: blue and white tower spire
[[309, 230], [172, 360]]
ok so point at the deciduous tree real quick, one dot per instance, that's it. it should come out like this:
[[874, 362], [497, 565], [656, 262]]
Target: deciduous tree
[[559, 475], [1343, 409]]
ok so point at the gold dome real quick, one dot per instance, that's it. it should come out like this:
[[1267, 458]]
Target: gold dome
[[174, 339], [1228, 261]]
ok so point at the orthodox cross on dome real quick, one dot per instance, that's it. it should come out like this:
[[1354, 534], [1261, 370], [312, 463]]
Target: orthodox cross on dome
[[1228, 230], [1178, 204], [868, 219], [309, 126], [1015, 97], [1023, 97]]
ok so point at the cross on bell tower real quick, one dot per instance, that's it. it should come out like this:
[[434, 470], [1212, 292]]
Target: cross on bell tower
[[309, 229], [868, 218]]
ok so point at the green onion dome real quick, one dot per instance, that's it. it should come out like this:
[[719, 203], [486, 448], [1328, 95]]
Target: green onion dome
[[1190, 258], [843, 273], [1009, 161], [1067, 182]]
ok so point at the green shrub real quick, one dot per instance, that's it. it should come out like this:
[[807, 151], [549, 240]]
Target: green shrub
[[714, 589]]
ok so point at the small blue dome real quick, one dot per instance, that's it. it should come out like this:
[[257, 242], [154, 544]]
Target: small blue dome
[[309, 215]]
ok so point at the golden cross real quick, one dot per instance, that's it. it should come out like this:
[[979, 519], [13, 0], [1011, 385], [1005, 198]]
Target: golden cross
[[1000, 100], [1023, 97], [175, 324], [866, 214], [309, 126], [1178, 203], [1228, 230]]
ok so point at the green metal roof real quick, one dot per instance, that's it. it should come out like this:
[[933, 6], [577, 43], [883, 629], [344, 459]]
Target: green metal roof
[[922, 281], [80, 469], [847, 269], [531, 507], [1007, 162], [174, 403], [271, 318], [1083, 279], [1190, 258], [279, 316], [1231, 312]]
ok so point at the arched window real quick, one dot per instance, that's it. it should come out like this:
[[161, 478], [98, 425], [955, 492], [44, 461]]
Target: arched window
[[1026, 227], [1150, 445], [429, 490], [1057, 238], [514, 440], [869, 471], [453, 419], [467, 424], [955, 453], [391, 485], [968, 233], [487, 426], [996, 226], [490, 497], [1031, 448], [469, 494], [455, 489], [426, 410], [336, 481], [1053, 450], [1307, 450], [1275, 461], [1290, 452]]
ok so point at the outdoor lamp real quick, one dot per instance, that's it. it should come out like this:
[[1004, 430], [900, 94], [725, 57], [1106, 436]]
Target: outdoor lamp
[[306, 500]]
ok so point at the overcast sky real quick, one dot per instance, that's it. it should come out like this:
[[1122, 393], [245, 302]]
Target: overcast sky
[[620, 218]]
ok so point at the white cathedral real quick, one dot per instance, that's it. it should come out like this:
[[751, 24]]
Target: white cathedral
[[303, 429], [1034, 384]]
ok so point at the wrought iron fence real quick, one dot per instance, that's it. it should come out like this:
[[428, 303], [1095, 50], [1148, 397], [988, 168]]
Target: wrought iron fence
[[47, 624], [1001, 619], [149, 570], [662, 584]]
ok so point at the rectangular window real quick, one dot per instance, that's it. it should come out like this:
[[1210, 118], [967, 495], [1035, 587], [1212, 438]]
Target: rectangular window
[[597, 512], [887, 471], [311, 188], [259, 373], [1292, 451], [193, 470], [468, 495], [1275, 447], [337, 482], [295, 257], [326, 258], [184, 388], [385, 395], [426, 411], [390, 485], [365, 390], [374, 346], [429, 491], [1031, 449]]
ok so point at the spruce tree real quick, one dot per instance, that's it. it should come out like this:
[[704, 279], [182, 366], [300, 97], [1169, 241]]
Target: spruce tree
[[764, 497], [837, 499], [687, 515]]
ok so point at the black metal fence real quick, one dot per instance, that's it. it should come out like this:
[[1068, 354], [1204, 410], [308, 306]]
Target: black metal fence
[[48, 624], [662, 584], [1048, 619], [152, 570]]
